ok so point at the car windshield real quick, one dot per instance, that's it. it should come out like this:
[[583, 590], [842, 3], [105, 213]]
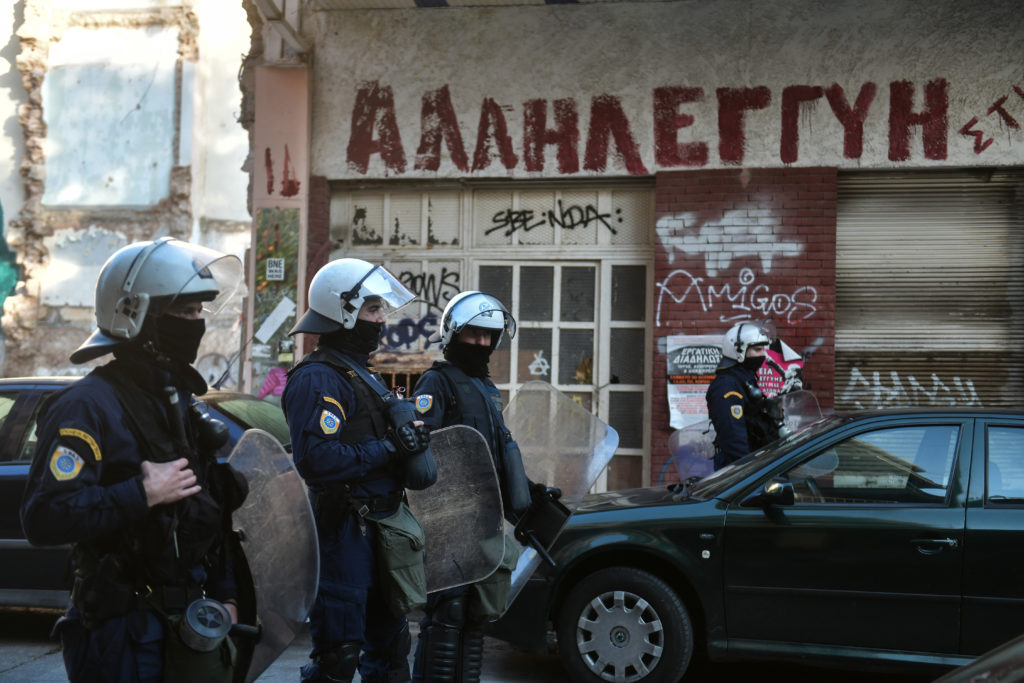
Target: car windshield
[[251, 412], [720, 480]]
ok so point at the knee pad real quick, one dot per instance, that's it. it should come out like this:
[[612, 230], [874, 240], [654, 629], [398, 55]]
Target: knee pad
[[339, 665], [451, 612]]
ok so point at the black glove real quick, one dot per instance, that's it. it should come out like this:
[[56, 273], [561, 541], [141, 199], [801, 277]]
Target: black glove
[[408, 440], [541, 490]]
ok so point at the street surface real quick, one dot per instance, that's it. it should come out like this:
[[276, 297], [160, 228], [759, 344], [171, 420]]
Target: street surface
[[28, 656]]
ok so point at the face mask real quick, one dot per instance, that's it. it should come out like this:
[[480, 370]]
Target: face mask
[[754, 364], [179, 338], [472, 358], [366, 336]]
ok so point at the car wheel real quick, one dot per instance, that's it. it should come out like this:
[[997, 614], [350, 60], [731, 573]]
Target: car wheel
[[625, 625]]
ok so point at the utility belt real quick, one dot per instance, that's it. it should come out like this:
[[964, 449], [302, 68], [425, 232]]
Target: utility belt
[[100, 595], [331, 507]]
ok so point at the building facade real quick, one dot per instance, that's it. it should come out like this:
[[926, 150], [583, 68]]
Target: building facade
[[632, 178]]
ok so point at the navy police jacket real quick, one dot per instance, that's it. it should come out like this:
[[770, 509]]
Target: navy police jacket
[[85, 481], [333, 439], [729, 407]]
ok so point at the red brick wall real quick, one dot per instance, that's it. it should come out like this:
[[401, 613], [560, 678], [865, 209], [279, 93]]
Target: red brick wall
[[744, 245], [318, 238]]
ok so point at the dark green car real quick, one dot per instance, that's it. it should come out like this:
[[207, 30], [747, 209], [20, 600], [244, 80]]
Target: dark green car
[[876, 539]]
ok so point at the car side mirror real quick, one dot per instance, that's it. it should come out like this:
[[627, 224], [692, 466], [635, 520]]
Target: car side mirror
[[777, 491]]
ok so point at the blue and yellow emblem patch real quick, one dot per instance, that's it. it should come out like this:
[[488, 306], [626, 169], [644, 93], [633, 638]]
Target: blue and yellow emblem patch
[[329, 422], [65, 464], [424, 403], [737, 411]]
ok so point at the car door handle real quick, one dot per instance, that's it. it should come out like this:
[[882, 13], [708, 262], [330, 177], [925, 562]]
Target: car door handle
[[931, 546]]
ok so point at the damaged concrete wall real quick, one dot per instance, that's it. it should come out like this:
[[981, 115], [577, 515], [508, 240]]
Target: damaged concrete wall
[[130, 132]]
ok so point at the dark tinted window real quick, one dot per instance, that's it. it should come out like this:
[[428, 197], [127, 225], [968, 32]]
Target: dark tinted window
[[1005, 465], [254, 413]]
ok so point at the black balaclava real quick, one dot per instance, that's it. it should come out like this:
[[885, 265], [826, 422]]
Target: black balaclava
[[177, 338], [364, 338], [470, 358], [754, 363]]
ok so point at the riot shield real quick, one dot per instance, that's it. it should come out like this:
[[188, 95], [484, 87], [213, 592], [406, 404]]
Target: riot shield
[[799, 408], [278, 537], [461, 513], [692, 450], [563, 446]]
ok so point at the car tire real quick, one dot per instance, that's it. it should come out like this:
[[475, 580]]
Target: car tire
[[624, 624]]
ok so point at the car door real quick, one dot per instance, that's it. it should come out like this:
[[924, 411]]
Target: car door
[[993, 610], [870, 553], [28, 575]]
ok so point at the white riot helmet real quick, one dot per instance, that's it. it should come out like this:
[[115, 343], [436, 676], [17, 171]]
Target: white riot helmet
[[475, 309], [144, 278], [339, 290], [738, 339]]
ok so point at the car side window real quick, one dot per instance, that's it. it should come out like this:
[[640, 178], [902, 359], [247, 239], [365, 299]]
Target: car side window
[[6, 403], [1004, 475], [897, 465], [28, 440]]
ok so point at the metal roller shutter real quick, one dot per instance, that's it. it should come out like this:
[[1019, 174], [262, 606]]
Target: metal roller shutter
[[930, 289]]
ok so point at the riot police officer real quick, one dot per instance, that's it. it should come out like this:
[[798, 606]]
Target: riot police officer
[[744, 419], [352, 459], [450, 644], [124, 468]]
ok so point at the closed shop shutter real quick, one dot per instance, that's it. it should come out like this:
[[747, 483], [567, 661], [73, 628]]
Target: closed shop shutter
[[930, 289]]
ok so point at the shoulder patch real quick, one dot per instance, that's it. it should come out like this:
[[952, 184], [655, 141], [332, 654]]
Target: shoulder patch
[[86, 437], [733, 393], [737, 411], [424, 403], [65, 464], [335, 401], [329, 422]]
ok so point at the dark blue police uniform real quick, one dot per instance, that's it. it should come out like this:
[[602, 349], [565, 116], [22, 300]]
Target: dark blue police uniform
[[336, 447], [730, 407], [85, 488]]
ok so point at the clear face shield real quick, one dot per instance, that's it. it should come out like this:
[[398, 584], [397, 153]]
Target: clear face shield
[[381, 285], [217, 278], [482, 311]]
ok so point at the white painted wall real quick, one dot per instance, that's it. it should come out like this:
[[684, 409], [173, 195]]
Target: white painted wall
[[628, 50]]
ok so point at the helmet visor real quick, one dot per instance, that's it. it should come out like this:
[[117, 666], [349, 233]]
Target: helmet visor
[[484, 311], [382, 285], [217, 278]]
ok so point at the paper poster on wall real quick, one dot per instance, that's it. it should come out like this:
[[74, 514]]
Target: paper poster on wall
[[690, 364], [277, 257]]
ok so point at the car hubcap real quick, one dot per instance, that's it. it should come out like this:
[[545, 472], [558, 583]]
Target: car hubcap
[[620, 636]]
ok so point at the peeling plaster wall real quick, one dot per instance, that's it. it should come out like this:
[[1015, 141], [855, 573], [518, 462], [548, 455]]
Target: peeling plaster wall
[[64, 231]]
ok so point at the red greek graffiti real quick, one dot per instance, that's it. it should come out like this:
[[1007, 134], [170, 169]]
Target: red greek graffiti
[[374, 109], [933, 120], [536, 135], [374, 127], [980, 143], [268, 165], [733, 105], [668, 151], [852, 119], [792, 98], [608, 119], [438, 124], [289, 183], [493, 128]]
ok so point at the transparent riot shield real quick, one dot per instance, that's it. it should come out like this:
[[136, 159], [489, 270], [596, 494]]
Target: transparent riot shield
[[799, 408], [278, 538], [563, 446], [692, 450], [461, 513]]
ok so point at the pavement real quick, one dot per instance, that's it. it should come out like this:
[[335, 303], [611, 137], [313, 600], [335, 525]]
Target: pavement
[[28, 655]]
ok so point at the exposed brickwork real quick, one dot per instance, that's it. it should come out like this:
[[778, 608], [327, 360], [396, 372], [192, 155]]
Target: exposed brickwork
[[318, 242], [711, 269]]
